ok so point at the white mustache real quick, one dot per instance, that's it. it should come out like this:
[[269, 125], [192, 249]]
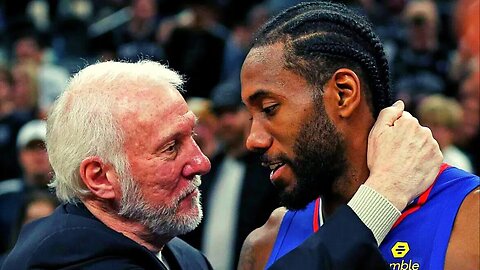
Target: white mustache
[[196, 182]]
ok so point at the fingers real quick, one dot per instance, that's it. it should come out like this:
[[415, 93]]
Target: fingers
[[390, 114], [401, 154], [406, 119]]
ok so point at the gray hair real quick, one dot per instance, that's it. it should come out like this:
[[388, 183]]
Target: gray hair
[[82, 123]]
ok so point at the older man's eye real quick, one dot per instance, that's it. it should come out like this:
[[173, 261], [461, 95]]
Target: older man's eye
[[170, 148]]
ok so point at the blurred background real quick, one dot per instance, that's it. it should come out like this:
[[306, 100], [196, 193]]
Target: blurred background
[[432, 47]]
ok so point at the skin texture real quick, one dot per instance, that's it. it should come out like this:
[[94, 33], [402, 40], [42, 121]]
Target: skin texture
[[280, 100], [163, 161]]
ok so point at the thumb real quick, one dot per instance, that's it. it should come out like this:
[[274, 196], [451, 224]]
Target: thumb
[[390, 114]]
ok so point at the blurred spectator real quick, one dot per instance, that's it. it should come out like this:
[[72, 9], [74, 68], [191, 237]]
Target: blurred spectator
[[467, 136], [206, 125], [33, 155], [25, 89], [233, 190], [137, 38], [10, 123], [194, 41], [467, 27], [465, 69], [443, 115], [69, 32], [233, 11], [420, 66], [51, 79], [6, 81], [35, 176], [386, 19], [36, 204], [238, 42], [75, 9]]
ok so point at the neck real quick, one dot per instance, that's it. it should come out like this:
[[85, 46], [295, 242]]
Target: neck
[[131, 229], [356, 171]]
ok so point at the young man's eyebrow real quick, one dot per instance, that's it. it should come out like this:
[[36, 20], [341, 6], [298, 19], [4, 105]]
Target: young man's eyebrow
[[259, 94]]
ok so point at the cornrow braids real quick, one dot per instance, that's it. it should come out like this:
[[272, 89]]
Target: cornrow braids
[[321, 37]]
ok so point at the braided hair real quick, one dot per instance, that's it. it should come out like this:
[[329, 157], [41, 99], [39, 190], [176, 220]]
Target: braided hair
[[321, 37]]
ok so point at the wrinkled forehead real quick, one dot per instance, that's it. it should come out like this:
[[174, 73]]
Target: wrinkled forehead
[[149, 103]]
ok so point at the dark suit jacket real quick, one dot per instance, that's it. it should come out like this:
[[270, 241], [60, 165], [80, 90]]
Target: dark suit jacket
[[72, 238], [257, 200], [342, 243]]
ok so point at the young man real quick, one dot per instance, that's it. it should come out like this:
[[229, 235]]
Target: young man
[[314, 82]]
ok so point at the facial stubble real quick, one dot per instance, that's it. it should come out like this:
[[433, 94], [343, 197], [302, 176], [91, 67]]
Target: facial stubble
[[320, 159]]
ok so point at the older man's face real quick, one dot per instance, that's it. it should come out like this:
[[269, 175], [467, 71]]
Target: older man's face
[[165, 162]]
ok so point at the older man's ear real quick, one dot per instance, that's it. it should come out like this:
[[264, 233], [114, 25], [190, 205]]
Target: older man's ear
[[100, 178]]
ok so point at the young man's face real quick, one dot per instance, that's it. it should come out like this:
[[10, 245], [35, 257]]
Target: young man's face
[[290, 128]]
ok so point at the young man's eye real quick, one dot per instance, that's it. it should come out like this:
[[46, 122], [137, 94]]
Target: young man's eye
[[270, 110]]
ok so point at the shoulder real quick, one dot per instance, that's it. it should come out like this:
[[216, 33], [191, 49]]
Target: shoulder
[[464, 245], [269, 229], [187, 256], [257, 247], [64, 239], [177, 244]]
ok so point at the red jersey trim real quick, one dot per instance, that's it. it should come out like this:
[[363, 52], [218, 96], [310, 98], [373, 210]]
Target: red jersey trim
[[422, 199], [316, 220]]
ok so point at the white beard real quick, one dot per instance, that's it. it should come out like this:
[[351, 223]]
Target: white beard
[[162, 220]]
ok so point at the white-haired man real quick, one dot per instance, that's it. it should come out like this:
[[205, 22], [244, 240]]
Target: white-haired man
[[120, 141]]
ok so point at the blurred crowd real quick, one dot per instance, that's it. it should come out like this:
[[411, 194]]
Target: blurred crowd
[[432, 46]]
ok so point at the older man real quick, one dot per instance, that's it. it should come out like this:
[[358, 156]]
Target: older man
[[126, 166], [127, 169]]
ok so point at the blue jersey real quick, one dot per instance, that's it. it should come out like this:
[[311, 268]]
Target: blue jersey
[[418, 240]]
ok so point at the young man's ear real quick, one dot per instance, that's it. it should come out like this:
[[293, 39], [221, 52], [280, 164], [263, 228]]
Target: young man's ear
[[99, 177], [348, 92]]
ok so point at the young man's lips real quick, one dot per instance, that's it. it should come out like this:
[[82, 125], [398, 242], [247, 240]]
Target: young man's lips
[[277, 171]]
